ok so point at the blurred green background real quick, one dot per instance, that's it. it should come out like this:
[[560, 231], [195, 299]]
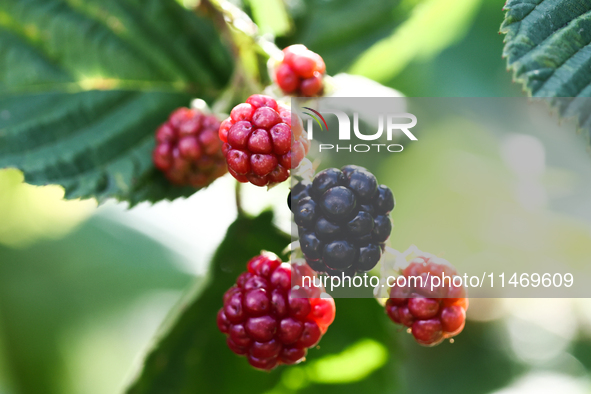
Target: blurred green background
[[84, 290]]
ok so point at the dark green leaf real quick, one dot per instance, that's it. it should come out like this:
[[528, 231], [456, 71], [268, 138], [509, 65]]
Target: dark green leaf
[[357, 321], [341, 30], [144, 44], [478, 362], [146, 57], [547, 47], [192, 356], [581, 349], [95, 143]]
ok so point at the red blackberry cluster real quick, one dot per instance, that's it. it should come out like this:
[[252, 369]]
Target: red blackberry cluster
[[432, 314], [188, 149], [261, 144], [263, 319], [343, 220], [301, 72]]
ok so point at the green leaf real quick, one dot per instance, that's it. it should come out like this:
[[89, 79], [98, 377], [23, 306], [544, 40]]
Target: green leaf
[[480, 347], [50, 287], [355, 363], [358, 353], [192, 355], [432, 26], [341, 30], [95, 144], [270, 16], [547, 47], [85, 84], [472, 66], [46, 44], [378, 38]]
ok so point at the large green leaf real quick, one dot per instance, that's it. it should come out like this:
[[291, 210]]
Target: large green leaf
[[547, 47], [84, 85], [49, 288], [192, 356]]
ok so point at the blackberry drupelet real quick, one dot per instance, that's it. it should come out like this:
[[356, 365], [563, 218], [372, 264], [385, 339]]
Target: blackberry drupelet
[[265, 322], [188, 150], [261, 145], [343, 220], [433, 313]]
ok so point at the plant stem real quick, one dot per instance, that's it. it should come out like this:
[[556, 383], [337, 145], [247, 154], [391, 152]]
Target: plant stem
[[238, 197]]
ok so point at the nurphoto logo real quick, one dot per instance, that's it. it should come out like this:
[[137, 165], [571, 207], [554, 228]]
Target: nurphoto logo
[[393, 124]]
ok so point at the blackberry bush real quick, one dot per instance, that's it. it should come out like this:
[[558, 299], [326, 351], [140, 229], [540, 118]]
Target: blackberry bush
[[265, 320], [433, 313], [261, 144], [343, 220], [301, 72], [88, 87], [188, 150]]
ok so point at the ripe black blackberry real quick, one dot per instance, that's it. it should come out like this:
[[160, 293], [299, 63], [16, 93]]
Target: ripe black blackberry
[[343, 220]]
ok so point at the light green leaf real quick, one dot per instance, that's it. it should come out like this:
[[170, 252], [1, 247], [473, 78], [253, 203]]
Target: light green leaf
[[48, 288], [432, 26], [353, 364], [271, 16]]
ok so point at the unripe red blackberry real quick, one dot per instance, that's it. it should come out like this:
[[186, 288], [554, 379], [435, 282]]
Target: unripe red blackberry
[[261, 144], [433, 313], [301, 73], [188, 150], [343, 220], [265, 321]]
